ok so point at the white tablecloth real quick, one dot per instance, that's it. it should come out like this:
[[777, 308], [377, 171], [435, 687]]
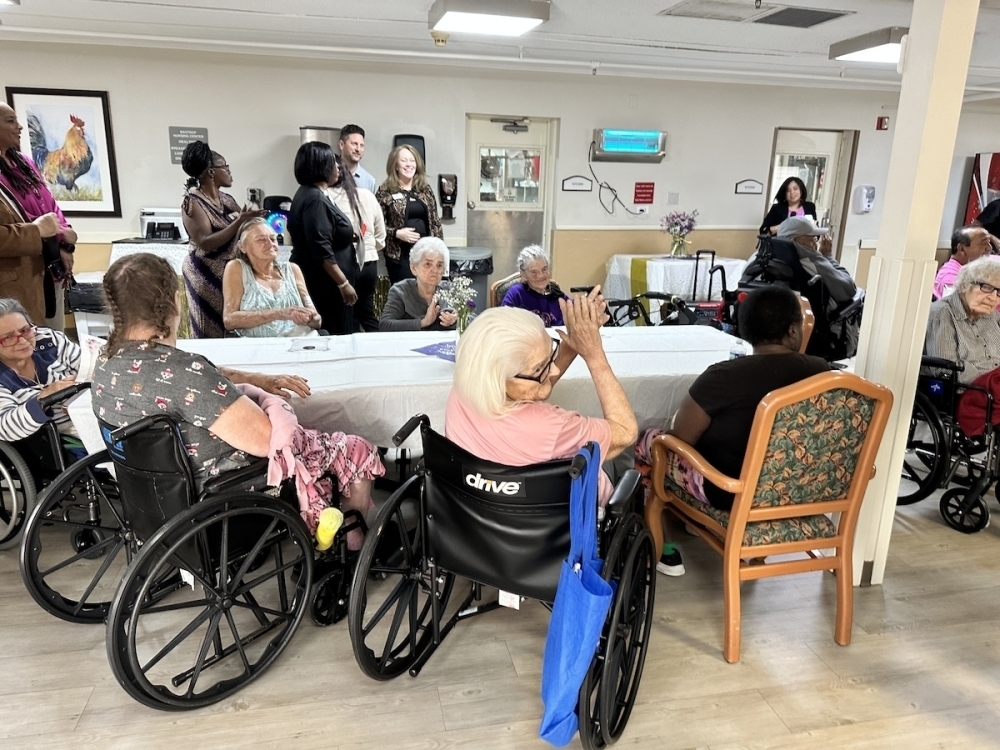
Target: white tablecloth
[[370, 384], [670, 276]]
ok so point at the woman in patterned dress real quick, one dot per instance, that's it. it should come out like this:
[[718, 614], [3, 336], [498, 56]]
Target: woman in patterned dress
[[212, 220]]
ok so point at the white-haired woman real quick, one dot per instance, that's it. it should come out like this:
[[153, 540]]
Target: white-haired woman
[[263, 296], [505, 370], [412, 304], [965, 327], [536, 292]]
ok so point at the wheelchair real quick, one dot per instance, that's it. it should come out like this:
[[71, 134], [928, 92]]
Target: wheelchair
[[939, 453], [505, 528], [838, 326], [200, 592], [27, 466]]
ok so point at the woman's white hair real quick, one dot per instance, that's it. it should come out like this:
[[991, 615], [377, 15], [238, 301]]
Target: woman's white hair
[[424, 247], [529, 255], [985, 269], [495, 347], [241, 238], [10, 306]]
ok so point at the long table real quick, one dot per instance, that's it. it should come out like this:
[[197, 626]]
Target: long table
[[370, 384]]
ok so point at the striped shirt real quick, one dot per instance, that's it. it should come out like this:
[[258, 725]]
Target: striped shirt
[[953, 335], [56, 358]]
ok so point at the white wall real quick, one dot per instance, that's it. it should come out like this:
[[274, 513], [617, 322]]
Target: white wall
[[253, 107]]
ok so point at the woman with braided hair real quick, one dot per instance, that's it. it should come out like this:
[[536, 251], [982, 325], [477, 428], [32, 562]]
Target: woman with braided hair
[[212, 220], [142, 372]]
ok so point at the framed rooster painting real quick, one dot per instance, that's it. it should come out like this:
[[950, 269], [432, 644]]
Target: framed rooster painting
[[67, 133]]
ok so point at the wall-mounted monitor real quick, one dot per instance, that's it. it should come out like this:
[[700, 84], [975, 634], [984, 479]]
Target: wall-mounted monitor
[[644, 146]]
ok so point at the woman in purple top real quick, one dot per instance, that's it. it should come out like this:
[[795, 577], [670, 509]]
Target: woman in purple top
[[536, 292]]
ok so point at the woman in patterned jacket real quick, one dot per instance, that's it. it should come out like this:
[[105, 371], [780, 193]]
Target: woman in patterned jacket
[[409, 209]]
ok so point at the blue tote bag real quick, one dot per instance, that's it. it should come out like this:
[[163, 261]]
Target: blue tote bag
[[579, 610]]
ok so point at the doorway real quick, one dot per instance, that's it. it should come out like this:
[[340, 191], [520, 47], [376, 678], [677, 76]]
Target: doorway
[[510, 162], [824, 161]]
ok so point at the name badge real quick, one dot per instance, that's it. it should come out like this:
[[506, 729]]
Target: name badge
[[397, 196]]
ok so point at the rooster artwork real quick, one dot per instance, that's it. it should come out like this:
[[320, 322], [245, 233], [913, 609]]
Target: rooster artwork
[[65, 164]]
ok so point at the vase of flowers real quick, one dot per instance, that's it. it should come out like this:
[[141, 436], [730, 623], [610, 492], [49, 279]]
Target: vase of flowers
[[458, 294], [679, 224]]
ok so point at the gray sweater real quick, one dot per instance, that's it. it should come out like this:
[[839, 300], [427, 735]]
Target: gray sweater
[[405, 308]]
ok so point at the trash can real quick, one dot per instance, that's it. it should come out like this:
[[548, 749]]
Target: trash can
[[477, 264]]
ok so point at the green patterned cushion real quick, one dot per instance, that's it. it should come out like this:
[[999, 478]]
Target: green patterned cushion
[[765, 532], [814, 449]]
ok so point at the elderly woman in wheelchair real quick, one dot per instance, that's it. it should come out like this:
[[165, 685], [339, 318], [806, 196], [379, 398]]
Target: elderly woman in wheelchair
[[194, 508], [38, 369], [954, 422], [482, 507]]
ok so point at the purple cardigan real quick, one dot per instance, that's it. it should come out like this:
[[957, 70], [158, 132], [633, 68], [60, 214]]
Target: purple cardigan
[[545, 306]]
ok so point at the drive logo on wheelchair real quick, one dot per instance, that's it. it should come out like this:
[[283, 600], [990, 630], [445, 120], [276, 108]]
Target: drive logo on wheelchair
[[495, 486]]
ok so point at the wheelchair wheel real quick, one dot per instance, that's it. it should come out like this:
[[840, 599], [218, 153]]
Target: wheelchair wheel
[[76, 543], [612, 682], [390, 611], [330, 597], [204, 642], [976, 518], [927, 451], [17, 495]]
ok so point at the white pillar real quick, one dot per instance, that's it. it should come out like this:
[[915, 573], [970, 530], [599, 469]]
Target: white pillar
[[892, 335]]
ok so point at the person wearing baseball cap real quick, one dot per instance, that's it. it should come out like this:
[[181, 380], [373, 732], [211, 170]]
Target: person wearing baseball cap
[[816, 256]]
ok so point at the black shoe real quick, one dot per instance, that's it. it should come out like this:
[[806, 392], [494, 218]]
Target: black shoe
[[671, 565]]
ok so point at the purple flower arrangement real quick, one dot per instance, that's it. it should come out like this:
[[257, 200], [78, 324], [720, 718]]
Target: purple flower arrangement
[[679, 223]]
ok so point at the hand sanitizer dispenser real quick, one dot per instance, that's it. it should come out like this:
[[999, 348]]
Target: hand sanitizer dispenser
[[864, 199]]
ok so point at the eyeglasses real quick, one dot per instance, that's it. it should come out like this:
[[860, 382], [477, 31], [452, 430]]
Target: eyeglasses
[[544, 372], [537, 273], [222, 166], [987, 288], [21, 333]]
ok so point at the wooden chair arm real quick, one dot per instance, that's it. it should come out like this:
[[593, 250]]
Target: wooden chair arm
[[674, 444]]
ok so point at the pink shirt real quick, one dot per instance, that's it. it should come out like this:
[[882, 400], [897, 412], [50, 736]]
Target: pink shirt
[[37, 205], [945, 278], [533, 432]]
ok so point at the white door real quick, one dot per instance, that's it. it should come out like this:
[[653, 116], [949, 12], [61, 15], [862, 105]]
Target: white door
[[509, 185]]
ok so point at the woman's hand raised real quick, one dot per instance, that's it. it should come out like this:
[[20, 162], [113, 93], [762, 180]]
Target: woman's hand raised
[[584, 317]]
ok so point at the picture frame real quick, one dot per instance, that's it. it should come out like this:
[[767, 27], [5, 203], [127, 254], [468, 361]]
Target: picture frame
[[68, 134]]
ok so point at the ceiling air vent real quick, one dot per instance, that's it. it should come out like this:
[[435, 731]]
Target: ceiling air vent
[[717, 10], [799, 18]]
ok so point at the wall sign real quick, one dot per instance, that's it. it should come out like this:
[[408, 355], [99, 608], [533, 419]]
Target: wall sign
[[643, 193], [577, 184], [181, 137], [749, 187], [882, 123]]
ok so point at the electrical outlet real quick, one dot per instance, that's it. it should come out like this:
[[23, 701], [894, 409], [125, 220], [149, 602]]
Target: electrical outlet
[[642, 210], [255, 195]]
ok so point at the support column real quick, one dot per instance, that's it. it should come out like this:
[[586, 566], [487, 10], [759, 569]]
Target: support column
[[899, 287]]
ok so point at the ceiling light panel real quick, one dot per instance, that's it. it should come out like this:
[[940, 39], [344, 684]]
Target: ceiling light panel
[[493, 17]]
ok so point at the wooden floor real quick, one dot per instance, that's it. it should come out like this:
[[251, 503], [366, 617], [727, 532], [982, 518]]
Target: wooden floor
[[923, 670]]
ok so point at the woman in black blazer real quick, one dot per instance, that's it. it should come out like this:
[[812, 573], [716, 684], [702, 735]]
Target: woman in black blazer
[[324, 244], [789, 201]]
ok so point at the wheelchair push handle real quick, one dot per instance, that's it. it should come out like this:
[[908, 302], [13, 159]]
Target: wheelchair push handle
[[411, 424], [62, 395]]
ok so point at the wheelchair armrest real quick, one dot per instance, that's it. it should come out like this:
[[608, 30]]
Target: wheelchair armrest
[[941, 364], [581, 289], [817, 279], [143, 424], [237, 477], [63, 395], [625, 490], [854, 305]]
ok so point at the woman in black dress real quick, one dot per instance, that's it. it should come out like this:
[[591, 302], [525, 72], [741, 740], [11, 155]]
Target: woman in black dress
[[324, 244], [790, 200]]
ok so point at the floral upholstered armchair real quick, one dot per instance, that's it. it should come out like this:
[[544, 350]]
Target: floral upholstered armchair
[[811, 454]]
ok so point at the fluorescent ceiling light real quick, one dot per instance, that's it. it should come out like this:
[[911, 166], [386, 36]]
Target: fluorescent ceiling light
[[495, 17], [10, 2], [880, 46]]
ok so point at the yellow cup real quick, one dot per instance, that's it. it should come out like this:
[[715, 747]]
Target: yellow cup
[[330, 521]]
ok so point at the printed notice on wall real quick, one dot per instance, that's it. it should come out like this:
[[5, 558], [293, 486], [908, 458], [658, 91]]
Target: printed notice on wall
[[181, 137]]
